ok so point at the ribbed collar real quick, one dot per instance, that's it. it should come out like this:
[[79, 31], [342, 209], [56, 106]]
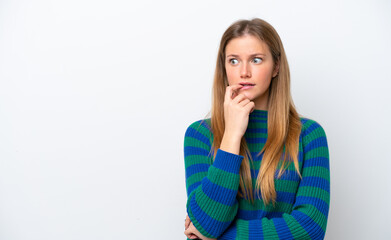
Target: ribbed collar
[[257, 126], [258, 115]]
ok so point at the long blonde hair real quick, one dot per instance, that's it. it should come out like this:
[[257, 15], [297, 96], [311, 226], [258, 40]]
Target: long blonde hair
[[284, 124]]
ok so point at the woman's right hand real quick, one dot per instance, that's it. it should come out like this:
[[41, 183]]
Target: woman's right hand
[[237, 108], [193, 233]]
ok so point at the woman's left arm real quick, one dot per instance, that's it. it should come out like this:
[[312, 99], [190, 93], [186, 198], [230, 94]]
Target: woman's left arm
[[308, 219]]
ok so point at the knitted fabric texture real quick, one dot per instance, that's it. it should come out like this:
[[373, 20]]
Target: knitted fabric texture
[[302, 205]]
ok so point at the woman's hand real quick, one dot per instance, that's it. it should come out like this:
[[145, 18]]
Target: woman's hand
[[192, 232], [237, 108]]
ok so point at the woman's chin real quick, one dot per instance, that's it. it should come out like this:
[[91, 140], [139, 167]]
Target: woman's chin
[[247, 94]]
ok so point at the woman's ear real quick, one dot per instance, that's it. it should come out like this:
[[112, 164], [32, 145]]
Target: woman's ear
[[276, 69]]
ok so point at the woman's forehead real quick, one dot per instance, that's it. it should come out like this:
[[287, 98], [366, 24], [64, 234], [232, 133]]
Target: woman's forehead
[[246, 45]]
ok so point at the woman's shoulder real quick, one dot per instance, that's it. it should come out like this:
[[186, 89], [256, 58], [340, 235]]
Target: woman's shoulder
[[311, 129], [202, 126], [200, 130]]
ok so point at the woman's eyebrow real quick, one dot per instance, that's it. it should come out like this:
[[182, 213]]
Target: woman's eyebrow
[[252, 55]]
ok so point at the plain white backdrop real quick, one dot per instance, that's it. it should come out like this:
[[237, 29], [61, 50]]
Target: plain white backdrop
[[95, 98]]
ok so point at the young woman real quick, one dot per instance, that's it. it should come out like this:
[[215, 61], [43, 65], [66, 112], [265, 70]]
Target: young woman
[[255, 169]]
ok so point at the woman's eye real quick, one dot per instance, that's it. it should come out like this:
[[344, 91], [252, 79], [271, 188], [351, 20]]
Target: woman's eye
[[232, 61], [257, 60]]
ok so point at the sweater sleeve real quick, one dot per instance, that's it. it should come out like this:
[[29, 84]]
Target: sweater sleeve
[[211, 186], [308, 219]]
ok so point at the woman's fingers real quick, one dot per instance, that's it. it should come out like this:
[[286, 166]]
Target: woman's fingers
[[189, 232], [252, 107], [231, 91], [236, 112], [244, 102], [187, 221]]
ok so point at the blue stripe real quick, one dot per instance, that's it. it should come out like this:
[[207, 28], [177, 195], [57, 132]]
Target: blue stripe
[[257, 214], [252, 120], [318, 142], [282, 228], [191, 132], [311, 128], [251, 214], [290, 175], [230, 233], [274, 214], [211, 225], [196, 168], [256, 130], [218, 193], [256, 140], [205, 124], [321, 205], [227, 161], [300, 157], [189, 151], [259, 158], [284, 197], [255, 157], [192, 187], [317, 162], [312, 228], [255, 229], [257, 113], [316, 182], [304, 120]]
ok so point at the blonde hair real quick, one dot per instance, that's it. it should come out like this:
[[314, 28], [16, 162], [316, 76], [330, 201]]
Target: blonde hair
[[284, 124]]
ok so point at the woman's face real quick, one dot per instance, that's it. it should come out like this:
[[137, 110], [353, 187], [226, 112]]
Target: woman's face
[[248, 59]]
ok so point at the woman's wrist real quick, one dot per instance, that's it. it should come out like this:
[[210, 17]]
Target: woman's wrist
[[230, 143]]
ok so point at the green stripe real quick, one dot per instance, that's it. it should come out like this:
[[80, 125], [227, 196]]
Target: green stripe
[[269, 230], [307, 191], [197, 177], [279, 207], [285, 185], [223, 178], [195, 222], [197, 159], [202, 130], [317, 152], [318, 217], [241, 229], [316, 133], [318, 172], [194, 142], [297, 231], [217, 211]]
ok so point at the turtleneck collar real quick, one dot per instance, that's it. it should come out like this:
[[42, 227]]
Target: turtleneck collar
[[258, 114], [257, 126]]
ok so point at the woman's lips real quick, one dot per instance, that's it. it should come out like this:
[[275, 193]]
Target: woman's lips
[[247, 87]]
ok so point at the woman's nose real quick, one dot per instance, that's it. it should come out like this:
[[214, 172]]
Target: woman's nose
[[245, 71]]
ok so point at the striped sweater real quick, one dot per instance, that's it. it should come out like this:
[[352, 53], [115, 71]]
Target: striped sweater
[[215, 209]]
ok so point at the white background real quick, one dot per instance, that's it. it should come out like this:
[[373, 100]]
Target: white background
[[95, 98]]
